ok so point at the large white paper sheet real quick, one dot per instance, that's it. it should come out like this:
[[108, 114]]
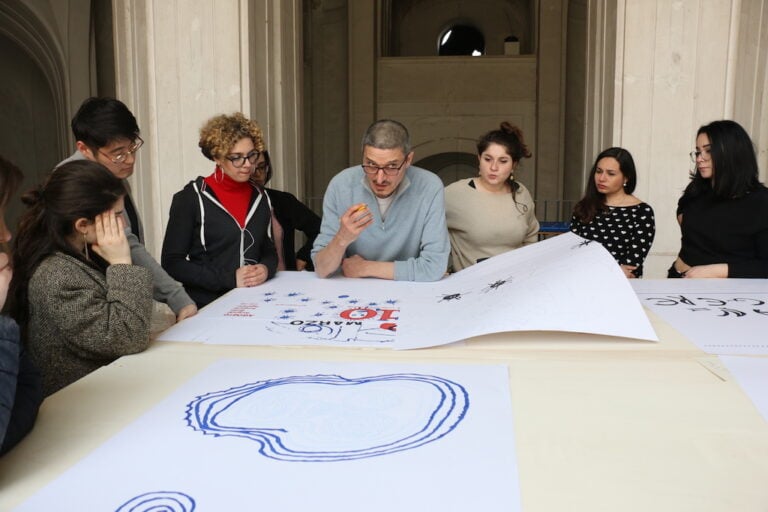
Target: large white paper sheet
[[564, 283], [561, 284], [298, 308], [258, 435], [720, 316], [752, 375]]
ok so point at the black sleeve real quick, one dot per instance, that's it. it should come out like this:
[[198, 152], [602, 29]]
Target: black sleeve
[[29, 396], [308, 222]]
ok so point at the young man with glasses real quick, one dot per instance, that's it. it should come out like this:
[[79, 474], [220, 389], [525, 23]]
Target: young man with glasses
[[106, 132], [384, 218]]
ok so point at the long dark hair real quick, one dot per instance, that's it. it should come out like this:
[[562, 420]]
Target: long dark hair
[[510, 137], [734, 164], [10, 179], [594, 200], [77, 189]]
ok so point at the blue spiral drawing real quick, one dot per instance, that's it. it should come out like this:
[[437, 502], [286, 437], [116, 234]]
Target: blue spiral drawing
[[159, 501], [298, 425]]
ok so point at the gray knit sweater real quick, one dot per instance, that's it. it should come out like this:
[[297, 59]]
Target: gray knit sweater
[[81, 319]]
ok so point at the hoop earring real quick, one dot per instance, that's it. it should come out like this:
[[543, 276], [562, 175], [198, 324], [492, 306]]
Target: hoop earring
[[85, 245], [216, 177]]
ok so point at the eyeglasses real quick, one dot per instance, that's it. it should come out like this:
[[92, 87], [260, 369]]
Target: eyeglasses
[[122, 157], [239, 161], [389, 170], [262, 168], [705, 154]]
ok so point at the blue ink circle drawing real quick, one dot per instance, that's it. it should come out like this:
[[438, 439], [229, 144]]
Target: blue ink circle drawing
[[328, 418], [159, 501]]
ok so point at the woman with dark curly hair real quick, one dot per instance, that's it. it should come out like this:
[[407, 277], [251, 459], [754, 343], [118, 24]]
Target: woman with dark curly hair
[[493, 212], [609, 213], [218, 235], [723, 213]]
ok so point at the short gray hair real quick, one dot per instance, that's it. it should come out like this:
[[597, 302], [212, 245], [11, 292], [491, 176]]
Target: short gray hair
[[387, 134]]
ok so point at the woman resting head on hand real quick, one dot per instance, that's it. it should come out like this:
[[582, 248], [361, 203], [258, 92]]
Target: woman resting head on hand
[[76, 295]]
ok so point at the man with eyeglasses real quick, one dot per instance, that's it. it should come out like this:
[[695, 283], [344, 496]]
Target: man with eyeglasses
[[107, 133], [384, 218]]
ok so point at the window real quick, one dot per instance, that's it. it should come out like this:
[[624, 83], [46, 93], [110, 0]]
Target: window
[[461, 40]]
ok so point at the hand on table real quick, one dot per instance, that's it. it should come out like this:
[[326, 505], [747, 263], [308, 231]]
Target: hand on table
[[715, 270], [354, 266], [186, 312], [629, 271], [251, 275]]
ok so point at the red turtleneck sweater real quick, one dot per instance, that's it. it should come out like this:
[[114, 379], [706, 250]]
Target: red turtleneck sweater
[[233, 195]]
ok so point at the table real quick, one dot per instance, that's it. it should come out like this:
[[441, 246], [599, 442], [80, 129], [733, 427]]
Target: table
[[600, 423]]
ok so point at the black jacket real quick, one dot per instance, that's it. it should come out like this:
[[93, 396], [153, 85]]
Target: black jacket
[[292, 214], [205, 260]]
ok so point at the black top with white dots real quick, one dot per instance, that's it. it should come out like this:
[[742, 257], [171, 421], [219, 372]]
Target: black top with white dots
[[625, 231]]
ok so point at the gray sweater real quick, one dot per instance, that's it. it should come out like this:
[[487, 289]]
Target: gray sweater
[[81, 319]]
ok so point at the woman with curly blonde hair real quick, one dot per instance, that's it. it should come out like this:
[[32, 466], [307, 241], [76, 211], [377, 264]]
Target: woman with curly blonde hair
[[218, 236]]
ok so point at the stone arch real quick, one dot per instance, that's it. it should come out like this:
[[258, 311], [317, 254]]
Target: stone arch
[[33, 110]]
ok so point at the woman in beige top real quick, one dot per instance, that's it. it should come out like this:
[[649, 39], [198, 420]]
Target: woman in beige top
[[491, 213]]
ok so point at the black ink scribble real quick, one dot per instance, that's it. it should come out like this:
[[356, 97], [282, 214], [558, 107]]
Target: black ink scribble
[[583, 243], [448, 297]]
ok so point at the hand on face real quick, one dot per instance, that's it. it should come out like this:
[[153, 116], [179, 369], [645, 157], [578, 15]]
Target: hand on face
[[251, 275], [5, 277], [354, 221], [111, 243]]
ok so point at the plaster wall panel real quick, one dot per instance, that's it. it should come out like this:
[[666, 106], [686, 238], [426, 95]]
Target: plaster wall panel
[[182, 66], [272, 49], [363, 53], [751, 93], [550, 122]]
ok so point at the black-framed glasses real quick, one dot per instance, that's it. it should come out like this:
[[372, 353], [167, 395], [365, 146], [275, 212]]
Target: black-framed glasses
[[122, 157], [262, 168], [389, 169], [239, 161], [705, 154]]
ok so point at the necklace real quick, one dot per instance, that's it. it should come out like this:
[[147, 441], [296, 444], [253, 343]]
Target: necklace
[[624, 200]]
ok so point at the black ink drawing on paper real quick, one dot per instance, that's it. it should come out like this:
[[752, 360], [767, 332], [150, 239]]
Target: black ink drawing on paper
[[329, 418], [159, 501], [730, 306], [345, 318]]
